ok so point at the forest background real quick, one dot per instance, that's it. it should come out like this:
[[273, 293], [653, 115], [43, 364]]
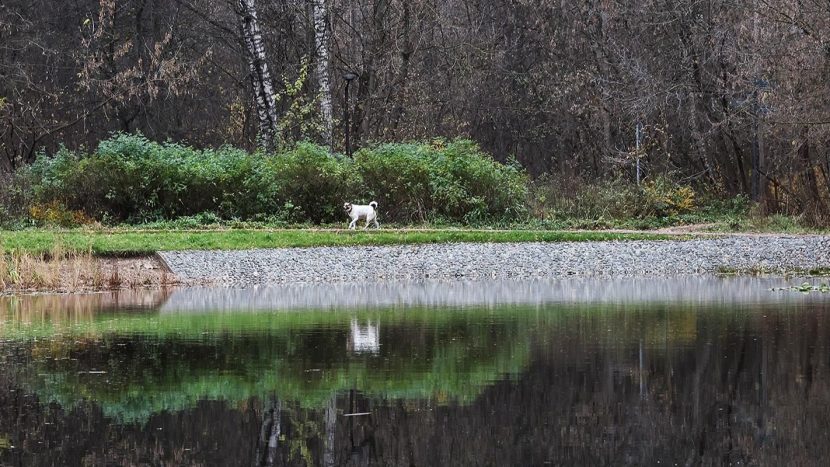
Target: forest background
[[606, 110]]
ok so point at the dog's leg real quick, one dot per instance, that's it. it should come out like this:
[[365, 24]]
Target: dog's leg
[[353, 224], [375, 220], [367, 224]]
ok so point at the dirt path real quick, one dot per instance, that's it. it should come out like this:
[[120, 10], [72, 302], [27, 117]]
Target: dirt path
[[702, 230], [695, 229]]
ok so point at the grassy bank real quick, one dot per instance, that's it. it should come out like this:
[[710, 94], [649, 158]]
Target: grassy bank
[[136, 242]]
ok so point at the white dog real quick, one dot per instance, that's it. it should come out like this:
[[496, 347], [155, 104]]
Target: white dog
[[357, 212]]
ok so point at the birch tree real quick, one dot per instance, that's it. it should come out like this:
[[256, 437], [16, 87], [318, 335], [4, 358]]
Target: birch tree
[[321, 43], [261, 82]]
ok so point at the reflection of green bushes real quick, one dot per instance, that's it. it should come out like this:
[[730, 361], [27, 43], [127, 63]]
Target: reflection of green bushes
[[146, 374], [207, 326], [159, 362], [451, 377]]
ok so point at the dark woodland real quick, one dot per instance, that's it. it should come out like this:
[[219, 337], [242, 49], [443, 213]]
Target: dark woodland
[[730, 96]]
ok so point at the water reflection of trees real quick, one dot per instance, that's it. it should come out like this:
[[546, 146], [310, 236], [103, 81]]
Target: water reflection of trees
[[132, 376], [615, 386]]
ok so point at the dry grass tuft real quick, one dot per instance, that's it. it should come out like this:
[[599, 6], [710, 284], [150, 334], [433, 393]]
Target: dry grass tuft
[[62, 270], [115, 278], [27, 271]]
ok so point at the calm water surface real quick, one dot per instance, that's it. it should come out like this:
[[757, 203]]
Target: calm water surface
[[629, 371]]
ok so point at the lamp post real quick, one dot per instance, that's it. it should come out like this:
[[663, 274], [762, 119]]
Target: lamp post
[[349, 77]]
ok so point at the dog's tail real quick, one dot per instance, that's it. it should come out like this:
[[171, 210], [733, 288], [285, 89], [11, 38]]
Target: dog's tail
[[374, 205]]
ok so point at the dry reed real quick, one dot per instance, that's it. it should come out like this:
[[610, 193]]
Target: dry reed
[[71, 271]]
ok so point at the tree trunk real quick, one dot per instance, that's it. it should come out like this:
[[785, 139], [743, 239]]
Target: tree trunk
[[406, 53], [260, 76], [700, 143], [810, 178], [274, 434], [269, 435], [321, 44], [729, 133], [368, 81], [758, 185], [329, 454], [598, 44]]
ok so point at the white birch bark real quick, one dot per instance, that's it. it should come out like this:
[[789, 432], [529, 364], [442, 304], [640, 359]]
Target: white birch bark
[[260, 76], [321, 42]]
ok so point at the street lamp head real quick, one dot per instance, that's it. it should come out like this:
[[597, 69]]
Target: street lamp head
[[349, 76]]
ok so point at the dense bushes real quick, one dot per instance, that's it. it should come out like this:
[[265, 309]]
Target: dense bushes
[[15, 199], [131, 179], [571, 202], [454, 182]]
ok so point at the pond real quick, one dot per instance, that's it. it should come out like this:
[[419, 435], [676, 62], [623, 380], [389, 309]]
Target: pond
[[584, 371]]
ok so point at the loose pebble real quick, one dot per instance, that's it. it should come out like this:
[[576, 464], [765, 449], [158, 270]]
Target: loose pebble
[[457, 261]]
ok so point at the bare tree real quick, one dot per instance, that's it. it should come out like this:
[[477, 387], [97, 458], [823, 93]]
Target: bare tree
[[263, 87], [321, 43], [557, 85]]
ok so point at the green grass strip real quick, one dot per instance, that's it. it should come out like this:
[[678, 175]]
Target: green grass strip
[[145, 242]]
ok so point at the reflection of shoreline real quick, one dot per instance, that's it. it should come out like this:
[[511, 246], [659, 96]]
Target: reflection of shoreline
[[695, 289], [83, 273], [72, 306], [487, 293]]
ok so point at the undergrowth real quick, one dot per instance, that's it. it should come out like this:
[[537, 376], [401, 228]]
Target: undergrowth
[[131, 181]]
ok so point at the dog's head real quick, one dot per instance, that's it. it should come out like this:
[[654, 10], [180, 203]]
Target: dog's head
[[347, 207]]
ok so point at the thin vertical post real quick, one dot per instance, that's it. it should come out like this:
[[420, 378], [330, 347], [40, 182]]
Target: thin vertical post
[[346, 119], [756, 190], [638, 132]]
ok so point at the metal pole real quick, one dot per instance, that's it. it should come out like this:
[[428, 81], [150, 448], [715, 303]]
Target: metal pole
[[637, 135], [755, 186], [346, 119]]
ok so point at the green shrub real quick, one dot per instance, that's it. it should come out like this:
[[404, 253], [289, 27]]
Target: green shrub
[[664, 198], [55, 214], [573, 198], [438, 181], [309, 184], [131, 179], [398, 177], [606, 203], [471, 186]]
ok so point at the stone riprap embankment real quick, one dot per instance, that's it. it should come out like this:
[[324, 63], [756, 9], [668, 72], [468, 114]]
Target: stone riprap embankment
[[502, 260]]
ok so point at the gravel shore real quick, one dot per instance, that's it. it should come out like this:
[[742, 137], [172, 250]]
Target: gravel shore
[[775, 254]]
